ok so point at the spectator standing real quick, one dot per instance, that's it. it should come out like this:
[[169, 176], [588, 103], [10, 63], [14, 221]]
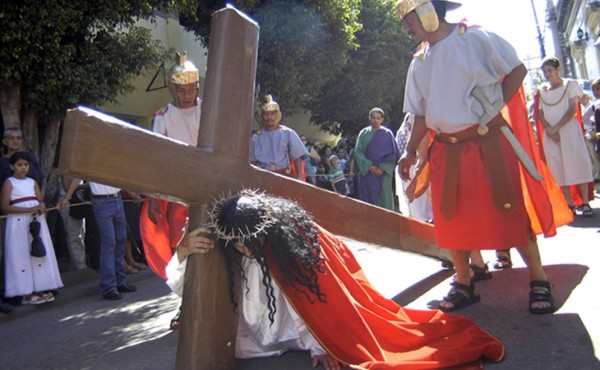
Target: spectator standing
[[419, 208], [74, 227], [107, 205], [376, 155], [310, 162], [336, 176], [563, 141], [27, 276]]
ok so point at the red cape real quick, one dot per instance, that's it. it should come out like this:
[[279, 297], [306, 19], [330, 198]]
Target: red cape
[[358, 326], [158, 239], [544, 200]]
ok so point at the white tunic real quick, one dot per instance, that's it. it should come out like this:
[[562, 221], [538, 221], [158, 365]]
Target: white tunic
[[26, 274], [256, 337], [568, 159], [179, 124], [442, 95]]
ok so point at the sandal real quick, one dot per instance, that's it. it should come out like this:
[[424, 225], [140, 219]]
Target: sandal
[[458, 299], [503, 262], [541, 295], [480, 273], [32, 299], [47, 297], [586, 211]]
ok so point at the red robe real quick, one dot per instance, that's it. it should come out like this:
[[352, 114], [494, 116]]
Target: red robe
[[358, 326], [159, 239]]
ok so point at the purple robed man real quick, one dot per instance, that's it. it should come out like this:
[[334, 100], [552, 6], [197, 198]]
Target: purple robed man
[[376, 154]]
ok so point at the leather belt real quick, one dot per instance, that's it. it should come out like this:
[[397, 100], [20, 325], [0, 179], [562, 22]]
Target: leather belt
[[503, 192], [105, 196]]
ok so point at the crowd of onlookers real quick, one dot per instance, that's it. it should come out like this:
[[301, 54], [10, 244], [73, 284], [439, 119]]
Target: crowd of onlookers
[[69, 235]]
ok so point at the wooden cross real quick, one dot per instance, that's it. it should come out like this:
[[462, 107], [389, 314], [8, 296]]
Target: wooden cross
[[101, 148]]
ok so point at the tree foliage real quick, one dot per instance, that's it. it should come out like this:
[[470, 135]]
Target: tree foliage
[[374, 75], [302, 44], [59, 54], [336, 59]]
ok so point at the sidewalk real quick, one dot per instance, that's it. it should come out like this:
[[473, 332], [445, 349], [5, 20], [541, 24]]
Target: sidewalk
[[81, 330]]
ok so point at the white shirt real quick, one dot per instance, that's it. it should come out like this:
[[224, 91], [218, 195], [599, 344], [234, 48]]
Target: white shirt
[[179, 124], [256, 337], [439, 86], [101, 189]]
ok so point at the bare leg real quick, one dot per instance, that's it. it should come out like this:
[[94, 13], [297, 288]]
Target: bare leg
[[460, 258], [477, 258], [129, 262], [567, 193], [531, 257], [585, 194]]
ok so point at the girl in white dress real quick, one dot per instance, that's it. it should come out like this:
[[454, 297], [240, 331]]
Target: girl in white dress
[[27, 276], [564, 145]]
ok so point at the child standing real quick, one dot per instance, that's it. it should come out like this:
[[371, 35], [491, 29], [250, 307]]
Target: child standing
[[27, 276], [336, 176]]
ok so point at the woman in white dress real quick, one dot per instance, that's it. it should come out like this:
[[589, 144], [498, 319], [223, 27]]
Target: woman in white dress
[[564, 145], [27, 276]]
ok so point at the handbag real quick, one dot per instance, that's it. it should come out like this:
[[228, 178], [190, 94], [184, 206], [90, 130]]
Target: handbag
[[37, 245]]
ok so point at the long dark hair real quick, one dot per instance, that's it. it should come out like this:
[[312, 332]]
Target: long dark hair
[[263, 222]]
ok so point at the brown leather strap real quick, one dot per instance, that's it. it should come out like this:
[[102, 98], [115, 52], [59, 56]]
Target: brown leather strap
[[503, 192]]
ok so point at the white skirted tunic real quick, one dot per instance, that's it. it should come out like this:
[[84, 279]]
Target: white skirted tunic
[[568, 159], [256, 336], [26, 274]]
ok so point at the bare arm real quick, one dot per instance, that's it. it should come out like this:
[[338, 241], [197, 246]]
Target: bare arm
[[7, 207], [512, 81], [568, 116], [69, 192], [408, 157]]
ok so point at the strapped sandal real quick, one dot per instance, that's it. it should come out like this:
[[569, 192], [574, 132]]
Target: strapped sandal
[[458, 299], [503, 262], [586, 211], [541, 295], [480, 273]]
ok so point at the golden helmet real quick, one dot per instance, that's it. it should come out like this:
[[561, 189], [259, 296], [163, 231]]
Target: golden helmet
[[425, 11], [183, 72], [271, 105]]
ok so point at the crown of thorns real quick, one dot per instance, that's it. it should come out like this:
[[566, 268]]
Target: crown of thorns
[[236, 233]]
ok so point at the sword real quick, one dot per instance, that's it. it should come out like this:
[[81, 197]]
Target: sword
[[491, 111]]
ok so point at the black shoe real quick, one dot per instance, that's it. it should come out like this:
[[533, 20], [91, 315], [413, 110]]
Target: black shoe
[[112, 296], [176, 321], [6, 308], [126, 288]]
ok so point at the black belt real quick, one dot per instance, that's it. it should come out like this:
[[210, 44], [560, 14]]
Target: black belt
[[104, 196]]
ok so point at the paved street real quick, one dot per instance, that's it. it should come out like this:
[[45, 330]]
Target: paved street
[[82, 331]]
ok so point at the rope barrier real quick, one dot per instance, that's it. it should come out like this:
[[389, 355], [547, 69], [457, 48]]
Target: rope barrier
[[54, 209]]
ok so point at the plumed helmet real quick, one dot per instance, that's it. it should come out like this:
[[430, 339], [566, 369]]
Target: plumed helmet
[[271, 105], [425, 11], [183, 72]]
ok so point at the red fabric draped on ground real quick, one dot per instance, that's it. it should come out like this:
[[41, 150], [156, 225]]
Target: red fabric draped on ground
[[158, 239], [358, 326]]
